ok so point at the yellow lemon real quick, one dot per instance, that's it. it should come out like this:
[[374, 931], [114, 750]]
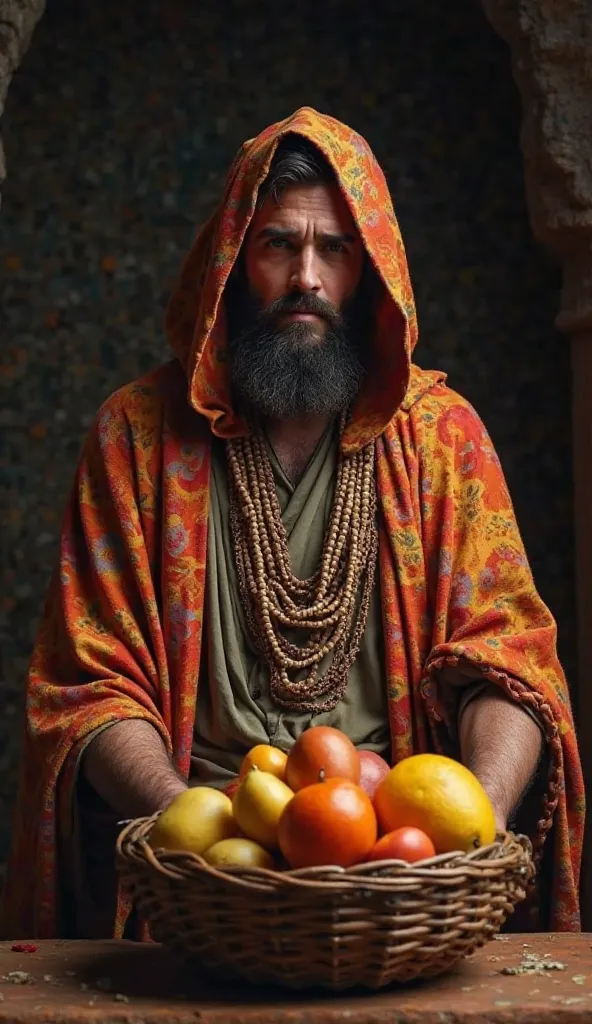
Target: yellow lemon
[[194, 821], [439, 796], [239, 852], [258, 804]]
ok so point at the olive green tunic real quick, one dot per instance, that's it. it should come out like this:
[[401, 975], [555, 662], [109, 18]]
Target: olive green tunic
[[234, 707]]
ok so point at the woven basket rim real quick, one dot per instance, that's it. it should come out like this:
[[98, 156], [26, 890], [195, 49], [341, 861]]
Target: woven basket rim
[[448, 868]]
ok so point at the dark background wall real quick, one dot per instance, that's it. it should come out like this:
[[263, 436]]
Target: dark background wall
[[119, 127]]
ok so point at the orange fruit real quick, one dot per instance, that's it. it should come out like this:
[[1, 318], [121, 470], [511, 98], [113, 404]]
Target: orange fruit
[[439, 796], [266, 758], [321, 752], [330, 822], [258, 805], [410, 844], [373, 770]]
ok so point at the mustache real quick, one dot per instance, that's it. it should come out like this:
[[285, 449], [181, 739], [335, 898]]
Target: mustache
[[299, 302]]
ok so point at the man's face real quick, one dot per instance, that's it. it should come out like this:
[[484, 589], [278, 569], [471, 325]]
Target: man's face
[[308, 244], [296, 313]]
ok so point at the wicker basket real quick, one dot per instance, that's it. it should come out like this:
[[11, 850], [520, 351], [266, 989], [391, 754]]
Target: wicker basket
[[369, 925]]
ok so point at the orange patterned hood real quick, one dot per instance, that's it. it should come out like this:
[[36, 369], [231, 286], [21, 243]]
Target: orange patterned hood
[[195, 318]]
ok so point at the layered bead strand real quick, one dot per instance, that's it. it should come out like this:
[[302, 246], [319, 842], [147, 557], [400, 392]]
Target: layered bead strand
[[331, 607]]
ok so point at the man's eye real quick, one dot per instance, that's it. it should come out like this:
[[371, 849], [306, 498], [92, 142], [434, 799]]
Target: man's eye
[[336, 247], [277, 243]]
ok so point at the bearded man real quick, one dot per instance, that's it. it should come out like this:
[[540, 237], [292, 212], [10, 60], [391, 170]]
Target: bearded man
[[288, 525]]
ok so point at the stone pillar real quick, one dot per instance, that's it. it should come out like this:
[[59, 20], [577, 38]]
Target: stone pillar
[[551, 50], [17, 21]]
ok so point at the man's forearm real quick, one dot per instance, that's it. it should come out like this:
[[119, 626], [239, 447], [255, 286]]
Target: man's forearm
[[128, 766], [501, 744]]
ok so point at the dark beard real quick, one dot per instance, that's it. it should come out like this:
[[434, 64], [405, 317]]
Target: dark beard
[[303, 369]]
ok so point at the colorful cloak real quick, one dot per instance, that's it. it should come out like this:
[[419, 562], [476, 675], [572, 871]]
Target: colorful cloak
[[122, 628]]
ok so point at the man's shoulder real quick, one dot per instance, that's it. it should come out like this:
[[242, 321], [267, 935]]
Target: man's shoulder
[[148, 396], [145, 412], [428, 393], [434, 417]]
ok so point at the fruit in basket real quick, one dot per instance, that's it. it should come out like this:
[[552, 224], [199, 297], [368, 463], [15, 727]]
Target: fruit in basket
[[441, 797], [331, 822], [238, 852], [321, 752], [258, 805], [373, 770], [267, 759], [407, 843], [194, 821]]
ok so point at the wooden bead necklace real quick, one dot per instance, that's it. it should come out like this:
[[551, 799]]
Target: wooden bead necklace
[[331, 607]]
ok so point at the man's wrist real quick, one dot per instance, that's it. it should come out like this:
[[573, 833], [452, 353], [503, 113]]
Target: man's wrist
[[128, 766], [497, 798], [170, 790], [501, 744]]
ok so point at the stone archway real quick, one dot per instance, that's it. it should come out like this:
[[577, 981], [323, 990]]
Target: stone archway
[[551, 45]]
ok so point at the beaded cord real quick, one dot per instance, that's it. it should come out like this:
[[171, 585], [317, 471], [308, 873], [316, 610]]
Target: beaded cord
[[331, 606]]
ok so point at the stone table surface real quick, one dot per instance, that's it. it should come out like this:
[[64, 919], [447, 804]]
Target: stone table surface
[[64, 982]]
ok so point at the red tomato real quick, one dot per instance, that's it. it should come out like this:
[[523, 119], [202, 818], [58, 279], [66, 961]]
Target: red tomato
[[410, 844]]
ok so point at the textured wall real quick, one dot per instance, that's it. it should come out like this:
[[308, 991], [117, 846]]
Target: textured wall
[[17, 21], [118, 129]]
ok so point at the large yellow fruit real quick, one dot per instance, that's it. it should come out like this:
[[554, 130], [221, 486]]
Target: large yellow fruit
[[258, 804], [439, 796], [239, 852], [194, 821]]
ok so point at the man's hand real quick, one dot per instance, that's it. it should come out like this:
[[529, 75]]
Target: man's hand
[[128, 766], [502, 745]]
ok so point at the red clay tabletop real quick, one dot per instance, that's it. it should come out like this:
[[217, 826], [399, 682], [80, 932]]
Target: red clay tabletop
[[66, 982]]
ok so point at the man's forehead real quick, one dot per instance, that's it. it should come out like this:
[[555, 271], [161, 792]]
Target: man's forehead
[[298, 206]]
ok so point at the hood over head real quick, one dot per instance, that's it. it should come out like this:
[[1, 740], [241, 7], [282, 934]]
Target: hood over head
[[195, 319]]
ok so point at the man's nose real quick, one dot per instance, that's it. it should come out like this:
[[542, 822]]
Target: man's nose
[[305, 271]]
